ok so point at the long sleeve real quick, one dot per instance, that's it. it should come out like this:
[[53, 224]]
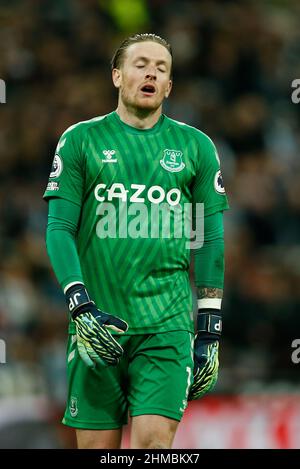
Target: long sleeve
[[63, 219], [209, 259]]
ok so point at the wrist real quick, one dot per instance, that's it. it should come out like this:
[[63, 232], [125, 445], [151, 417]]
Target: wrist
[[69, 285], [209, 324], [78, 300], [209, 303]]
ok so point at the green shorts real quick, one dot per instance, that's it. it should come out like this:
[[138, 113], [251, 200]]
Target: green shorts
[[153, 377]]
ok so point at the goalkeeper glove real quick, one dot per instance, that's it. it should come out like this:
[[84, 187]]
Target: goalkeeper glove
[[95, 343], [206, 352]]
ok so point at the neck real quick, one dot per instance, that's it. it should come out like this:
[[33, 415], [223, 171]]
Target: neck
[[138, 118]]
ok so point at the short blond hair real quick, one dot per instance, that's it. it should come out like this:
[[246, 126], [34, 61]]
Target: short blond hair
[[118, 57]]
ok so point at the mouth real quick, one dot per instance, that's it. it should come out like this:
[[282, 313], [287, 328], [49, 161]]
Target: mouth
[[148, 90]]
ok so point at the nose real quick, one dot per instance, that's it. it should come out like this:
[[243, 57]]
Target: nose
[[151, 73]]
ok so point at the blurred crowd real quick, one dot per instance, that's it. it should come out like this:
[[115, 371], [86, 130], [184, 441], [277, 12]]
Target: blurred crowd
[[234, 63]]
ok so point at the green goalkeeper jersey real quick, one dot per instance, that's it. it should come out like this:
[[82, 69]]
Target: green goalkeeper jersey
[[136, 189]]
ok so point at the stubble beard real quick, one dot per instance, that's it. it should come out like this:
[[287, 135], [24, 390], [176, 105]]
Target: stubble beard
[[135, 106]]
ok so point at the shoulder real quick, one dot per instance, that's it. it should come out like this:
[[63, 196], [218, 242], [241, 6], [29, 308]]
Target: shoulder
[[206, 149], [192, 132], [80, 129], [73, 140]]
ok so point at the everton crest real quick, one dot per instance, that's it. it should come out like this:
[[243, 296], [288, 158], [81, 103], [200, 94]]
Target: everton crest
[[172, 161]]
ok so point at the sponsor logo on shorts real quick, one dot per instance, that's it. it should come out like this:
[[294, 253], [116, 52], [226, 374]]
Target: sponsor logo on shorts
[[73, 406]]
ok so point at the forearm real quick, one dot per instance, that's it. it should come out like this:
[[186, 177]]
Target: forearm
[[60, 241], [209, 263], [95, 344], [209, 278], [214, 295]]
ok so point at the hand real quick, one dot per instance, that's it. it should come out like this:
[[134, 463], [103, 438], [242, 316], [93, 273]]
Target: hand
[[96, 345], [206, 365], [206, 354]]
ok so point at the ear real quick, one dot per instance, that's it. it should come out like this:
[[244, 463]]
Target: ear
[[168, 90], [117, 77]]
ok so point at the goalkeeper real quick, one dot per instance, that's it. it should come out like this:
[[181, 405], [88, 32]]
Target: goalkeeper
[[131, 348]]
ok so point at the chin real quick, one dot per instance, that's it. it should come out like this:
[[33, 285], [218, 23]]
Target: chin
[[147, 105]]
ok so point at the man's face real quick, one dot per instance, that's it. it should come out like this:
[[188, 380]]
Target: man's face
[[143, 79]]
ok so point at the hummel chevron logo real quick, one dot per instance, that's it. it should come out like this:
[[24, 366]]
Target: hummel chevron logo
[[108, 154]]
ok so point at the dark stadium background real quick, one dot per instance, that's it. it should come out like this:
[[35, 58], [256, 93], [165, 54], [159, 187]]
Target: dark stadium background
[[234, 63]]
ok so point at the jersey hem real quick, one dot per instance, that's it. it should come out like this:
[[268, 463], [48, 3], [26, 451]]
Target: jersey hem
[[156, 331], [142, 331]]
